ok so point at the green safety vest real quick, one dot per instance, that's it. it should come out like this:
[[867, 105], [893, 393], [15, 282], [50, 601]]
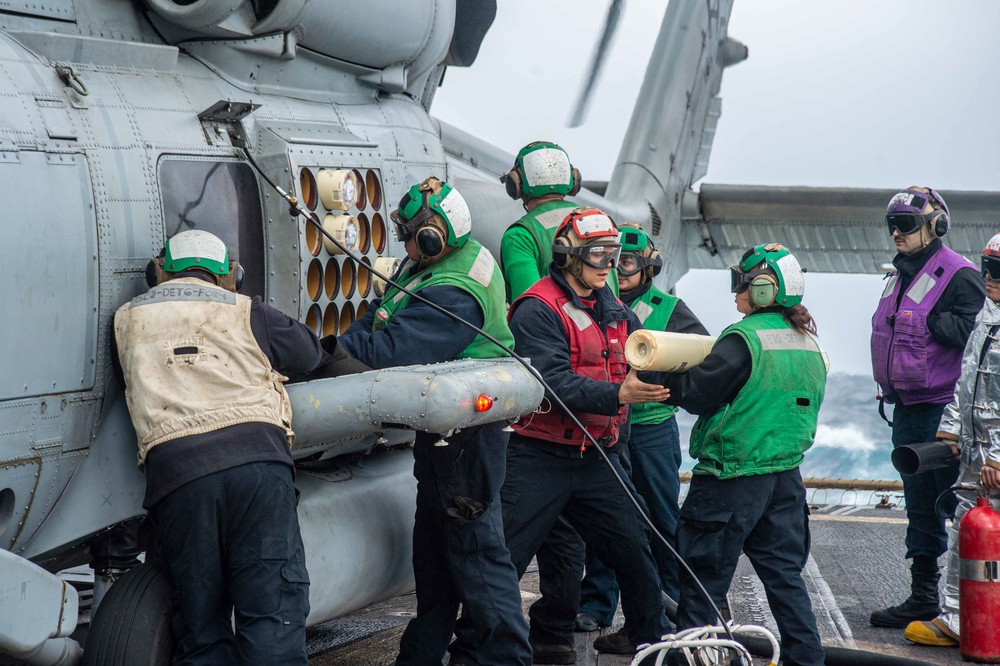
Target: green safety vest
[[471, 268], [541, 222], [653, 309], [772, 420]]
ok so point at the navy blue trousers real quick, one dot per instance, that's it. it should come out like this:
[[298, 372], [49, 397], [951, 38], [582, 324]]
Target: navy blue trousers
[[926, 535], [231, 543], [655, 452], [540, 487], [462, 560], [766, 517]]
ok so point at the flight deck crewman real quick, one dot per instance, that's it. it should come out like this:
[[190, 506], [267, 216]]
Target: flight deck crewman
[[204, 369], [574, 329], [921, 326], [541, 178], [654, 440], [969, 425], [459, 556], [757, 396]]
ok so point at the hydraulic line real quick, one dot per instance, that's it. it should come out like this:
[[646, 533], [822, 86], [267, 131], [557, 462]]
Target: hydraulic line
[[296, 210]]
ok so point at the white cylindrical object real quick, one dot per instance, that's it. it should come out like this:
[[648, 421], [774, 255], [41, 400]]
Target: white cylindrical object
[[386, 266], [342, 227], [338, 188], [667, 352]]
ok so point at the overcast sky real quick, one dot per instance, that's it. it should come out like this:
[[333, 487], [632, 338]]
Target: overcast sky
[[853, 93]]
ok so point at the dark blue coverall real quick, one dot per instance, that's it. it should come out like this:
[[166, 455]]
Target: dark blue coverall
[[459, 556], [223, 506]]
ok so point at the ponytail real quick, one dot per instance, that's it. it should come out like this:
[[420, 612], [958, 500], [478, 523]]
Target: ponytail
[[800, 319]]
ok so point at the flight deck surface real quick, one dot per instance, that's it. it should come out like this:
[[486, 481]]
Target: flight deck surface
[[856, 566]]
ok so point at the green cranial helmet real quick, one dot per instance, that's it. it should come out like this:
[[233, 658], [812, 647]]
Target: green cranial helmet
[[427, 199], [773, 259], [196, 249], [638, 252], [546, 169]]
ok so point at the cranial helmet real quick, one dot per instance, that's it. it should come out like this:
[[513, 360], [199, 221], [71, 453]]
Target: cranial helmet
[[772, 275], [638, 253], [196, 249], [990, 260], [908, 211], [436, 213], [541, 168], [586, 235]]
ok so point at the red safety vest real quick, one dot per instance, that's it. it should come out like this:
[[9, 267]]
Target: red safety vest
[[593, 353]]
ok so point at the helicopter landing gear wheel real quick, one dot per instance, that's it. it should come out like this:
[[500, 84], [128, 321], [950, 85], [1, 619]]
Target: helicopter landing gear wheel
[[132, 624]]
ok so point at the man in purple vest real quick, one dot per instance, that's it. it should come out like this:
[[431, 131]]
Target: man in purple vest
[[925, 316]]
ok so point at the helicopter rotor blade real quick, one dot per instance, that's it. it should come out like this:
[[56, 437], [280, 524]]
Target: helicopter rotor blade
[[611, 22]]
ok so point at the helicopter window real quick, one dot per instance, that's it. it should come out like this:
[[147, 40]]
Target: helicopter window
[[221, 197]]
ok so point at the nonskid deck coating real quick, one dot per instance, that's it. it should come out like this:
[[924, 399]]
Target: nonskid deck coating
[[856, 566]]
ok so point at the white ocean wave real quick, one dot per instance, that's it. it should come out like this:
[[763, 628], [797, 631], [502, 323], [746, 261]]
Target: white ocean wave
[[848, 437]]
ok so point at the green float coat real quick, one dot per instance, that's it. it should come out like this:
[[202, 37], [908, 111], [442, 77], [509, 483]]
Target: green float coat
[[653, 309], [526, 248], [472, 269], [772, 420]]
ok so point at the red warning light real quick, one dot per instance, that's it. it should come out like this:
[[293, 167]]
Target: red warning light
[[483, 402]]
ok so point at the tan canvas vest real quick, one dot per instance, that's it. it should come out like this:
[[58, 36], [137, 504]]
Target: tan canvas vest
[[192, 364]]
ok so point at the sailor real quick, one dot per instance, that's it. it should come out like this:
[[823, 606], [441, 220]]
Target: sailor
[[757, 396], [967, 426], [204, 369], [574, 330], [921, 326], [459, 556], [654, 441], [541, 179]]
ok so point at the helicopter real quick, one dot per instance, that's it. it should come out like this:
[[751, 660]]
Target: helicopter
[[122, 123]]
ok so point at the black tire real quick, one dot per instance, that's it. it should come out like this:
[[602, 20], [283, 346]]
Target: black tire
[[132, 624]]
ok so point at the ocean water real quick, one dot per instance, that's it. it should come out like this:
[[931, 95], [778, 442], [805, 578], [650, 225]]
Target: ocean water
[[852, 440]]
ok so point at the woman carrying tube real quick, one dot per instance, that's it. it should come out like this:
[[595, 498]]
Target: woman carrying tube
[[757, 396]]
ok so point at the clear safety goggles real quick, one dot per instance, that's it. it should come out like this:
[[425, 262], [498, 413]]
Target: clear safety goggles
[[990, 268], [595, 256], [904, 223]]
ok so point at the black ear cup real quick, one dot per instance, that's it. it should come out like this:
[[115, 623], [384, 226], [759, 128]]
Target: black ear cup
[[430, 241], [512, 183], [941, 224], [657, 266], [577, 182], [152, 273]]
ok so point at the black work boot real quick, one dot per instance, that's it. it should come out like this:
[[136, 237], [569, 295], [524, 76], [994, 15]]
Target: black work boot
[[923, 603]]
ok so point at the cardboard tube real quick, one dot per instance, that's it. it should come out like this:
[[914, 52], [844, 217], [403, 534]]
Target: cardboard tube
[[666, 352]]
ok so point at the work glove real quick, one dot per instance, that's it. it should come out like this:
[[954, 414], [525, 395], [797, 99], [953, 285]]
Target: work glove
[[467, 508]]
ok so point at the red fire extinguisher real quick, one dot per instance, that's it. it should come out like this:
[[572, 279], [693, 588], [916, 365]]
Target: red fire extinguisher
[[979, 583]]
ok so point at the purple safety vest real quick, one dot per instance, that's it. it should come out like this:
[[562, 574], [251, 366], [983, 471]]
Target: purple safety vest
[[909, 365]]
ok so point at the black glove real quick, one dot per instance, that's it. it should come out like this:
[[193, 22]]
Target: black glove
[[336, 361], [466, 507]]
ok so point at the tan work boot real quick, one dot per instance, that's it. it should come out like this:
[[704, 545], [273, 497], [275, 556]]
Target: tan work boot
[[931, 632]]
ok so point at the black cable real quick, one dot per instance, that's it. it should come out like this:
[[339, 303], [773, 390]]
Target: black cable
[[314, 219]]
